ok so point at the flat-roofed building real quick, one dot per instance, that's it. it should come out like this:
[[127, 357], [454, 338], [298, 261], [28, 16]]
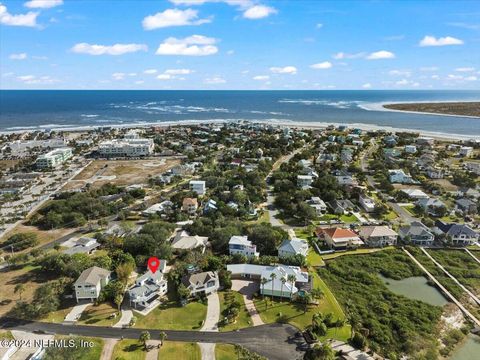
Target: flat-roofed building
[[53, 158]]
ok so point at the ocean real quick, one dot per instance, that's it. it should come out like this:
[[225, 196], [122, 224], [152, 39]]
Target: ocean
[[64, 109]]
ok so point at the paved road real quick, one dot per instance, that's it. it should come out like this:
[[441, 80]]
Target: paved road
[[274, 341], [472, 295], [404, 215], [444, 290]]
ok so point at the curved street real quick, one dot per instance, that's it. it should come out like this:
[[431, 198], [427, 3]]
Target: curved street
[[274, 341]]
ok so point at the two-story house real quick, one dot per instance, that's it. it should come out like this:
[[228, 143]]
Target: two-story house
[[90, 283], [378, 236], [147, 289], [241, 245], [204, 282]]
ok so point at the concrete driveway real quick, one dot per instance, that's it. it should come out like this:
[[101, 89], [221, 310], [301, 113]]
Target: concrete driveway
[[247, 288], [211, 324], [76, 312]]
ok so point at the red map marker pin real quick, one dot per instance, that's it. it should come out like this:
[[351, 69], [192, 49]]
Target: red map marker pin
[[153, 264]]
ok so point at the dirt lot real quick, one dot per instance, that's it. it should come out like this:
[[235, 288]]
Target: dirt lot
[[120, 172], [6, 164], [43, 236]]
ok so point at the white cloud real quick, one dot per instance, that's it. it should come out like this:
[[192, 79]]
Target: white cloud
[[164, 77], [150, 71], [382, 54], [230, 52], [139, 82], [471, 78], [465, 69], [195, 45], [465, 25], [455, 77], [322, 65], [342, 55], [367, 86], [461, 77], [178, 71], [214, 80], [405, 82], [261, 77], [173, 17], [32, 79], [118, 76], [43, 4], [319, 26], [435, 77], [117, 49], [21, 56], [259, 12], [284, 70], [429, 68], [29, 19], [36, 57], [441, 41], [406, 73]]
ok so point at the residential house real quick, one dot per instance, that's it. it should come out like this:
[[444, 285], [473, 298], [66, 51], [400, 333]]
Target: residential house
[[390, 140], [184, 241], [210, 205], [398, 176], [148, 288], [304, 163], [201, 283], [473, 167], [466, 206], [304, 181], [417, 233], [339, 238], [90, 283], [84, 245], [410, 149], [341, 206], [346, 179], [293, 247], [160, 208], [198, 186], [318, 204], [241, 245], [378, 236], [458, 234], [367, 203], [425, 141], [435, 172], [415, 194], [431, 206], [190, 206]]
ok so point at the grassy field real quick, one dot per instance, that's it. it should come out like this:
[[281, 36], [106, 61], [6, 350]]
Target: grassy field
[[353, 252], [179, 351], [77, 352], [30, 276], [296, 315], [129, 350], [121, 172], [314, 259], [243, 319], [59, 315], [99, 315], [6, 335], [43, 236], [171, 316], [225, 352]]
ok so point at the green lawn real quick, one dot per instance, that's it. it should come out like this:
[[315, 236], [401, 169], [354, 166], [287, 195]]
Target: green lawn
[[129, 350], [180, 351], [304, 233], [243, 319], [99, 315], [59, 315], [77, 352], [353, 252], [295, 315], [410, 209], [171, 316], [225, 352], [348, 218], [6, 335], [314, 259], [391, 215], [345, 218]]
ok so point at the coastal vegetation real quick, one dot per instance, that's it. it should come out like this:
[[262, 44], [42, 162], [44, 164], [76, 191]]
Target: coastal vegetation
[[450, 108]]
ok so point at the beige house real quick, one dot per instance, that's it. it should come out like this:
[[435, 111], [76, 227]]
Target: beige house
[[90, 283], [190, 205], [338, 238], [378, 236], [204, 282]]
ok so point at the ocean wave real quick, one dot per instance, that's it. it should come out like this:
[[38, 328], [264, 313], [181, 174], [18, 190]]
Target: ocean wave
[[89, 115], [335, 104]]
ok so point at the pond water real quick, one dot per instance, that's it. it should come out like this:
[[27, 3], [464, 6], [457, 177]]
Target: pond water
[[469, 350], [416, 288]]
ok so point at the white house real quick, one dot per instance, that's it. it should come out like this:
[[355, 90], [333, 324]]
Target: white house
[[367, 203], [84, 245], [147, 289], [400, 177], [459, 234], [293, 247], [466, 151], [318, 204], [205, 282], [184, 241], [198, 186], [304, 181], [378, 236], [410, 149], [90, 283], [163, 207], [241, 245], [415, 193], [417, 233]]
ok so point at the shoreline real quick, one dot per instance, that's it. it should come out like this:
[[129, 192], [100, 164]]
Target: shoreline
[[274, 122], [381, 107]]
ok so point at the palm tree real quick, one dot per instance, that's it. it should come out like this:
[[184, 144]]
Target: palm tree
[[144, 337], [281, 291], [307, 298], [118, 301], [263, 281], [20, 289], [273, 276], [317, 318], [162, 337], [291, 279]]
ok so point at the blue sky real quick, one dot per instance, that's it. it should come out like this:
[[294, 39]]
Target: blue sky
[[239, 44]]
